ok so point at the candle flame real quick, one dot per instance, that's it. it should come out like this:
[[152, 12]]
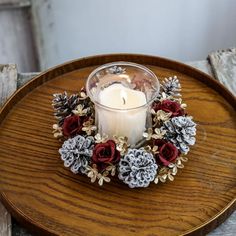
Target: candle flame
[[123, 95], [123, 100]]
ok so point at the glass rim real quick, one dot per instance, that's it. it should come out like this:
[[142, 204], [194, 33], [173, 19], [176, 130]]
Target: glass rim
[[122, 63]]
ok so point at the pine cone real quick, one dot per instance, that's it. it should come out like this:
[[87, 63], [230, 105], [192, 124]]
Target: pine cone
[[180, 131], [171, 86], [63, 105], [77, 152], [117, 70], [138, 168]]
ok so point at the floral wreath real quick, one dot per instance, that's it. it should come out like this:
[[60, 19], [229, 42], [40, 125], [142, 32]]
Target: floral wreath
[[156, 158]]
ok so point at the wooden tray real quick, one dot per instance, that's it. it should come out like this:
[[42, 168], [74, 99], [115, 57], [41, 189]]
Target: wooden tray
[[50, 200]]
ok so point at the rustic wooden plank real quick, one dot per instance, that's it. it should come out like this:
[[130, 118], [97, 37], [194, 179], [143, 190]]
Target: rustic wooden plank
[[8, 83], [16, 39], [223, 64], [228, 228], [23, 78], [5, 221], [6, 4], [202, 65]]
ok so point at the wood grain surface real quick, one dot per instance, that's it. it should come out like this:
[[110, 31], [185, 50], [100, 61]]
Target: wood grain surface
[[48, 199]]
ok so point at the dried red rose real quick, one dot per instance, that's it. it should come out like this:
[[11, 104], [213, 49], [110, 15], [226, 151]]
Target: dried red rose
[[105, 153], [140, 83], [159, 143], [170, 107], [167, 152], [73, 125]]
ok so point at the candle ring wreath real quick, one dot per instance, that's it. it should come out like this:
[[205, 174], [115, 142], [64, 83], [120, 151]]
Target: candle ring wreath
[[156, 158]]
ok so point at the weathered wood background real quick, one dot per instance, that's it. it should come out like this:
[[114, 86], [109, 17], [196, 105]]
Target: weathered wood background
[[224, 67], [17, 42], [8, 85]]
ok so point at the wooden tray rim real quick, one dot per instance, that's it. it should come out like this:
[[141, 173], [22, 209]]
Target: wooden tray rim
[[84, 62]]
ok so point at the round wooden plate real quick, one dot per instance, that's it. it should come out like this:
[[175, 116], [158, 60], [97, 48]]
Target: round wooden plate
[[50, 200]]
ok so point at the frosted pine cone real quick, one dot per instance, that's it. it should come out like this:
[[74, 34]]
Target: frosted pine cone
[[117, 70], [181, 132], [171, 86], [64, 105], [77, 152], [138, 168]]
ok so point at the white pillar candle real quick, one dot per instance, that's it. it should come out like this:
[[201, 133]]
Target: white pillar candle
[[120, 118]]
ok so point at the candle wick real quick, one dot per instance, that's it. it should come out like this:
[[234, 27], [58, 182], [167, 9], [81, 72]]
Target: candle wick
[[123, 100]]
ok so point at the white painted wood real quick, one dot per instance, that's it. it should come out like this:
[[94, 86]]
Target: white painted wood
[[228, 228], [14, 3], [16, 38], [23, 78], [8, 85], [201, 65], [5, 221], [8, 81], [223, 64]]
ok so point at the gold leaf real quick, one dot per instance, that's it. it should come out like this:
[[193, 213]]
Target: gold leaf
[[155, 150], [90, 174], [155, 136], [55, 126], [170, 177], [148, 148], [183, 158], [163, 180], [100, 138], [156, 180], [106, 179], [109, 168], [178, 162], [113, 171], [57, 131], [58, 135], [105, 173], [79, 110], [100, 181], [174, 170], [171, 165], [93, 179], [180, 166]]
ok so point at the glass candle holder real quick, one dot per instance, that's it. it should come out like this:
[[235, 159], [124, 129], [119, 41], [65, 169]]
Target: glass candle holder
[[122, 93]]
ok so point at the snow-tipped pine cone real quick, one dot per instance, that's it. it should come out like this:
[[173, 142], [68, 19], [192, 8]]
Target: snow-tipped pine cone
[[77, 152], [137, 168], [64, 105], [181, 132]]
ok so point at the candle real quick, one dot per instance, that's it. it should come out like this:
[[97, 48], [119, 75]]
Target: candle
[[122, 93], [122, 119]]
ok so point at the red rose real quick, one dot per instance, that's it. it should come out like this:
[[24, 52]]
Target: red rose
[[170, 107], [159, 143], [73, 125], [105, 153], [167, 152]]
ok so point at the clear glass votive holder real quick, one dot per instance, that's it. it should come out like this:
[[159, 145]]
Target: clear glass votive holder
[[123, 93]]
